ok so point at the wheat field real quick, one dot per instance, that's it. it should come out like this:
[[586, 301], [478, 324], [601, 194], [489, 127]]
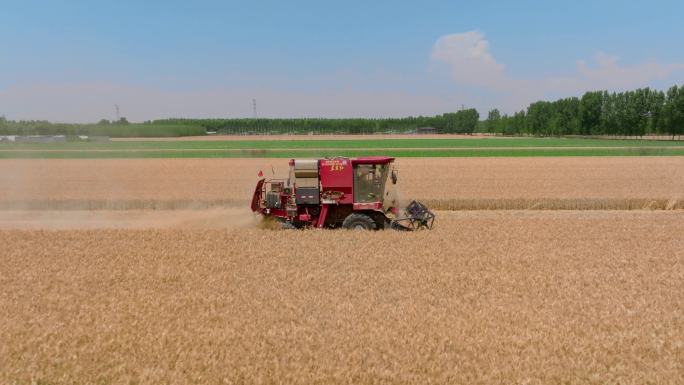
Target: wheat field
[[154, 271], [444, 183], [534, 297]]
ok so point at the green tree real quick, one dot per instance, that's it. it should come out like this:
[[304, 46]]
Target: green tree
[[493, 118], [673, 112], [539, 115], [590, 112]]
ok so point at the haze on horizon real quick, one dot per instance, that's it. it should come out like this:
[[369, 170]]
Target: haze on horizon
[[208, 59]]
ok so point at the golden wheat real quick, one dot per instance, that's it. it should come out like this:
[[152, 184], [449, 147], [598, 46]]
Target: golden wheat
[[162, 294], [487, 297], [447, 184]]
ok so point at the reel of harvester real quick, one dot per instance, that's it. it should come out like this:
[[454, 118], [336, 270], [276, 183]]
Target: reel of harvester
[[416, 217]]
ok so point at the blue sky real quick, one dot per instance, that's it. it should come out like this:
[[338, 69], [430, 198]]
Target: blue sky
[[73, 60]]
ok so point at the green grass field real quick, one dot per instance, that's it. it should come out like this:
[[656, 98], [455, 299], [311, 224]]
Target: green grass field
[[448, 147]]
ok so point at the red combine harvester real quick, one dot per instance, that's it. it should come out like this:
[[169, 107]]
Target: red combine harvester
[[353, 193]]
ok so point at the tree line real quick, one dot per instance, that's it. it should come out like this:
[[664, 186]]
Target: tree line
[[460, 122], [628, 114], [120, 128]]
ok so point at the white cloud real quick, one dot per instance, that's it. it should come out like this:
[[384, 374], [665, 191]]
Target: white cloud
[[469, 58], [607, 73], [471, 63]]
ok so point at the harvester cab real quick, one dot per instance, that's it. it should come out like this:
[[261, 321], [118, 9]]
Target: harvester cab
[[354, 193]]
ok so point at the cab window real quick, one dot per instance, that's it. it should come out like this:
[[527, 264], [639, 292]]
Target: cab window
[[369, 182]]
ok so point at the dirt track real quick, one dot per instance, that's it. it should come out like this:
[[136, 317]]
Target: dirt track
[[318, 149], [306, 137]]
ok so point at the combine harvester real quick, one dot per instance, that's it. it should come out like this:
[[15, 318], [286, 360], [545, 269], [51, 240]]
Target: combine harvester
[[353, 193]]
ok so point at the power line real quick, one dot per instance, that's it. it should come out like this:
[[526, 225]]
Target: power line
[[116, 106], [254, 110]]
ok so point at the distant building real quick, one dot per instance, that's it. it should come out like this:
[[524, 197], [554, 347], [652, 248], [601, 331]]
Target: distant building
[[427, 130]]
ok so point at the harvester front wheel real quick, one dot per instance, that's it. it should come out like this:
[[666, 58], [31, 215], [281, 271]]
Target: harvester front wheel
[[356, 221]]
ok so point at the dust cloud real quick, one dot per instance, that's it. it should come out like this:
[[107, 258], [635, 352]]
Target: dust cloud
[[219, 218], [126, 194]]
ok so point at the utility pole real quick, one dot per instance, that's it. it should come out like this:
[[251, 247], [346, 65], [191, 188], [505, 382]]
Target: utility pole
[[116, 107]]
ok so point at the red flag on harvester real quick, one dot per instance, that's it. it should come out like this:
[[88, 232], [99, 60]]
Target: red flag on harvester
[[260, 174]]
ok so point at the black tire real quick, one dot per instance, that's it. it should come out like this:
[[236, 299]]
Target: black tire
[[355, 221]]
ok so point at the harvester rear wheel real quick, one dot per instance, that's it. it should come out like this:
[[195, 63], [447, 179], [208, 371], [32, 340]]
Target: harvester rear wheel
[[356, 221]]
